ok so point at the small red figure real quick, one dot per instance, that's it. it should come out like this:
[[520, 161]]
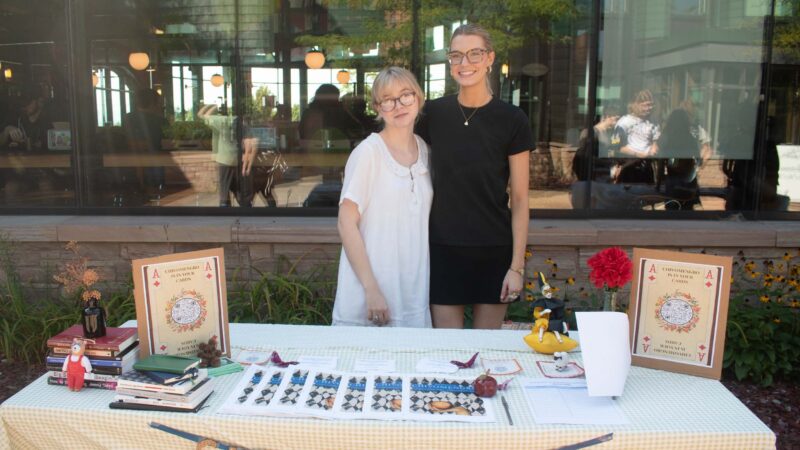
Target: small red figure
[[76, 365]]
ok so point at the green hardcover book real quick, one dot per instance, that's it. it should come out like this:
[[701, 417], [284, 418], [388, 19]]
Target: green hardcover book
[[167, 363]]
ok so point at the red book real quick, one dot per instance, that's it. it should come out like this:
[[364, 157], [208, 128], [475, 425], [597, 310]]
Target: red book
[[116, 339]]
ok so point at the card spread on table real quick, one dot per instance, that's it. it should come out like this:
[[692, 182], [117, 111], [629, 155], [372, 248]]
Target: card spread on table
[[501, 366], [350, 403], [571, 370], [441, 398], [318, 362], [374, 365], [248, 357], [435, 366], [254, 392], [301, 392]]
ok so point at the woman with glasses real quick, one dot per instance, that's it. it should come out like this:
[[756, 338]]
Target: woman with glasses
[[479, 160], [383, 215]]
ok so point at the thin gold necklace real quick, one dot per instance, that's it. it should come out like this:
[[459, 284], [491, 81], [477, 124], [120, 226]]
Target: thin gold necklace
[[466, 119], [463, 114]]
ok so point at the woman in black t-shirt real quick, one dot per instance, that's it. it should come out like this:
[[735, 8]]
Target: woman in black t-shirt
[[479, 149]]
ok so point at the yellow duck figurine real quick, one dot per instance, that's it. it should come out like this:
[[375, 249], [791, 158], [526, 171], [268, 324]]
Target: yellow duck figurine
[[549, 331]]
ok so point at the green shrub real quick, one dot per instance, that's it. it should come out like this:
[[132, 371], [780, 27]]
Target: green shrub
[[285, 297], [26, 323], [763, 334]]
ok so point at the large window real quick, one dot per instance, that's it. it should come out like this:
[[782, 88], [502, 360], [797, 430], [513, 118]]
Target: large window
[[658, 107], [36, 125]]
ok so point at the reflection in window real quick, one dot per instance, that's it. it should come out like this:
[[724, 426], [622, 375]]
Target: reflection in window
[[112, 98]]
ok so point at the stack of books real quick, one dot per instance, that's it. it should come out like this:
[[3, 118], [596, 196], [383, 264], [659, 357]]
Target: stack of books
[[164, 383], [110, 355]]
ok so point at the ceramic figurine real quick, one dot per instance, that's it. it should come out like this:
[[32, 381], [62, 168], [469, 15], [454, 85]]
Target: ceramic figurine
[[549, 332], [560, 360], [76, 365]]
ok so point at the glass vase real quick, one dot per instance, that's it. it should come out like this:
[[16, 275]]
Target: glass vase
[[609, 300]]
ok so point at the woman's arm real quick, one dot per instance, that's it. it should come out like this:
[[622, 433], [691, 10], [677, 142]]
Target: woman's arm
[[520, 217], [356, 251]]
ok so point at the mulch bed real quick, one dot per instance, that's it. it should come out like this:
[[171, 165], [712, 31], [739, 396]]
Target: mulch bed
[[778, 406]]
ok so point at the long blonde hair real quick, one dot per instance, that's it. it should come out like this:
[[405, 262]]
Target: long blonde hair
[[471, 29]]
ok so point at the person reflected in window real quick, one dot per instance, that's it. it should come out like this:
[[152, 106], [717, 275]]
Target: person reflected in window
[[636, 135], [144, 129], [232, 176], [681, 148], [603, 132], [383, 215], [29, 130], [326, 119], [480, 149], [363, 124]]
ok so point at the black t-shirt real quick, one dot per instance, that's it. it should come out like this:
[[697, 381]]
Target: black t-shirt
[[470, 169]]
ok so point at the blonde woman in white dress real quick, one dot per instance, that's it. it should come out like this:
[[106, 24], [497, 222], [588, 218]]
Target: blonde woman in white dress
[[383, 215]]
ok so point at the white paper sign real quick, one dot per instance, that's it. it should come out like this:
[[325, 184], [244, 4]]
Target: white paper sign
[[374, 365], [318, 362], [435, 366], [567, 402], [605, 350]]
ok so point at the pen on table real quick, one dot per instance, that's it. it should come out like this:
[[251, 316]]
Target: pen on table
[[508, 413]]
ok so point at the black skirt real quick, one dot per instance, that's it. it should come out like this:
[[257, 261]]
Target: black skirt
[[468, 275]]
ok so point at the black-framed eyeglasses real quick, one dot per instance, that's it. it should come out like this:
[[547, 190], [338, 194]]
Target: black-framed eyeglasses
[[405, 99], [474, 56]]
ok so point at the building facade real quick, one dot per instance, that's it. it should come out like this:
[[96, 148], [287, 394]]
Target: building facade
[[156, 109]]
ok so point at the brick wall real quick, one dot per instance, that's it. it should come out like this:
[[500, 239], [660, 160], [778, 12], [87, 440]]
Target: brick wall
[[264, 244]]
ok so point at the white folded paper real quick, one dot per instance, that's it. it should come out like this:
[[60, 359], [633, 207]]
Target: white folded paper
[[606, 351]]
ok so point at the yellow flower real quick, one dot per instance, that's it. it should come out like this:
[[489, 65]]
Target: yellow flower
[[529, 297], [555, 289], [755, 274], [750, 265], [764, 299], [731, 280], [779, 299], [767, 284], [776, 320], [794, 304], [528, 253], [571, 281], [548, 261], [529, 285], [787, 256]]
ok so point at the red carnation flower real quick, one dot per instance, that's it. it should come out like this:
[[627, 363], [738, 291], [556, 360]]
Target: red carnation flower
[[611, 268]]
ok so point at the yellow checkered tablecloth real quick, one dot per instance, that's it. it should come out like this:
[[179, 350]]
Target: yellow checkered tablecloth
[[666, 410]]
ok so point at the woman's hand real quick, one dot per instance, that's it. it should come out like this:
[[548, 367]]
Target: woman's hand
[[512, 286], [377, 310]]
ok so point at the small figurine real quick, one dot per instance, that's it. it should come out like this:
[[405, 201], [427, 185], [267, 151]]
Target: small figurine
[[560, 360], [549, 333], [209, 354], [76, 365]]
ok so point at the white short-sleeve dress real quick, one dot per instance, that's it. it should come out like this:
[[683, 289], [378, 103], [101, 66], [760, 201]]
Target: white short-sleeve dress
[[394, 202]]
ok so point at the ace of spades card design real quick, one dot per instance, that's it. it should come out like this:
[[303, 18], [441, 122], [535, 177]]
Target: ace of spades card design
[[443, 398], [678, 312], [181, 302]]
